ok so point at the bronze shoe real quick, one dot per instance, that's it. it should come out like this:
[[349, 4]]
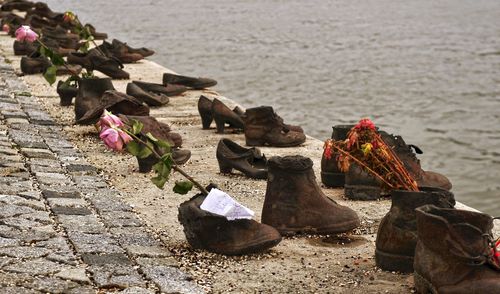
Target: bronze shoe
[[294, 203], [117, 103], [249, 161], [205, 110], [223, 114], [454, 252], [66, 93], [149, 98], [263, 127], [214, 233], [89, 94], [397, 232], [191, 82], [168, 90]]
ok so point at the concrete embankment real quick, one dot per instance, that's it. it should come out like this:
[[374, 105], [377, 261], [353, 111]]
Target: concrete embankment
[[299, 264]]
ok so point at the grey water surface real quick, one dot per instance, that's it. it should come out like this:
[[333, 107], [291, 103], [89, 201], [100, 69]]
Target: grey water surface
[[427, 70]]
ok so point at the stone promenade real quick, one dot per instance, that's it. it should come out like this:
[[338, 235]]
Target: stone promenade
[[62, 228]]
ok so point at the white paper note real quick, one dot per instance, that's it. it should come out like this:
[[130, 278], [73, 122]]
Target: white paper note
[[220, 203]]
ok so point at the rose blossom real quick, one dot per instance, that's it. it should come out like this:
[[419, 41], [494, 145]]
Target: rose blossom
[[6, 28], [109, 120], [24, 33], [114, 138]]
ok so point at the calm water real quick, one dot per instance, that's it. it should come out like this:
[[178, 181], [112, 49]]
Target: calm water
[[428, 70]]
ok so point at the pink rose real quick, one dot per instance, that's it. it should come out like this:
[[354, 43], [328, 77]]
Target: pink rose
[[109, 120], [114, 138], [6, 28], [24, 33]]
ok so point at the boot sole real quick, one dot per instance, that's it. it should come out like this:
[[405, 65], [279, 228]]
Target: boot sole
[[394, 262], [359, 192], [333, 180], [338, 228], [422, 285]]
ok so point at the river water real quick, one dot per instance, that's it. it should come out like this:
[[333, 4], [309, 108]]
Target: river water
[[427, 70]]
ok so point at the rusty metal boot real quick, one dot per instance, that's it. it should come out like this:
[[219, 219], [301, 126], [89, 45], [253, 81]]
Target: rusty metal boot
[[294, 202], [262, 127], [331, 175], [89, 94], [212, 232], [397, 232], [454, 252]]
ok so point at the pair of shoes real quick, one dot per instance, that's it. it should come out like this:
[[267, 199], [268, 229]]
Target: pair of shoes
[[119, 51], [148, 97], [212, 232], [36, 64], [250, 161], [122, 48], [397, 232], [218, 111], [190, 82], [360, 185], [96, 94], [264, 127], [93, 60], [159, 89]]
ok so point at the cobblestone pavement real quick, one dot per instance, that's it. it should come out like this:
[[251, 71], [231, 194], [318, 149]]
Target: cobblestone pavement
[[62, 228]]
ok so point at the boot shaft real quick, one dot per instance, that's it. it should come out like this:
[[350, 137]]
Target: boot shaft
[[261, 115], [404, 202]]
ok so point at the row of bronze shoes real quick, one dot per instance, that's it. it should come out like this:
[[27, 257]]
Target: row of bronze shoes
[[460, 260]]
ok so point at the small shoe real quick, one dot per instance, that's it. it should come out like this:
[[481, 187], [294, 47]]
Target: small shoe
[[191, 82], [144, 52], [20, 5], [158, 129], [223, 114], [249, 161], [34, 65], [179, 156], [95, 34], [149, 98], [24, 48], [66, 93], [169, 90], [121, 53], [42, 9], [117, 103], [214, 233]]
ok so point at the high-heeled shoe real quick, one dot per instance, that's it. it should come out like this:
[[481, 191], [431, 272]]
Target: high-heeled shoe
[[249, 161], [223, 114], [205, 110]]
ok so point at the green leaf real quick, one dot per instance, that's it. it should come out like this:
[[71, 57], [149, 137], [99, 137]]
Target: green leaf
[[56, 59], [50, 74], [159, 181], [182, 187], [164, 145], [136, 127], [151, 137], [145, 151], [134, 148], [162, 168]]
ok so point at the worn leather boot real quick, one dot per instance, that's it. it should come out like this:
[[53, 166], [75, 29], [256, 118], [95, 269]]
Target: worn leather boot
[[262, 127], [191, 82], [66, 93], [454, 253], [24, 48], [42, 9], [223, 114], [397, 232], [117, 103], [249, 161], [89, 94], [169, 90], [331, 175], [149, 98], [158, 129], [294, 203], [212, 232]]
